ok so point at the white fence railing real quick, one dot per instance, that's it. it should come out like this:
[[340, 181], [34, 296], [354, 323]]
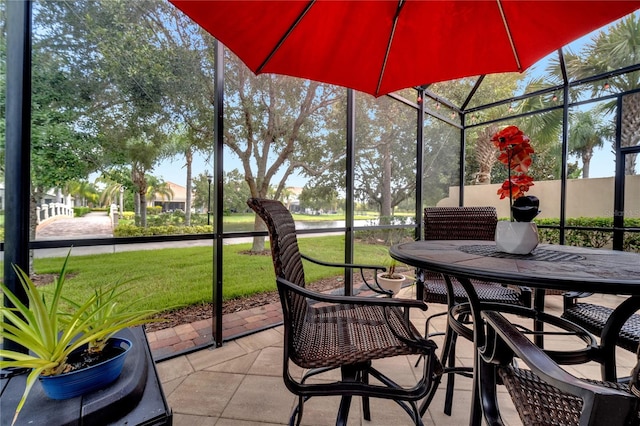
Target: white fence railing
[[51, 210]]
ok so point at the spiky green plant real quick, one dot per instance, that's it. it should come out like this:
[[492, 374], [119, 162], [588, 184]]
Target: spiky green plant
[[390, 265], [106, 316], [51, 333]]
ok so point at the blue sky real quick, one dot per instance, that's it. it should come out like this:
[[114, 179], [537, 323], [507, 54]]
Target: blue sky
[[602, 165]]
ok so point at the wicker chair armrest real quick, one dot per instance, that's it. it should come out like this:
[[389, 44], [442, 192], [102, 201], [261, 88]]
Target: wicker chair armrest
[[354, 300], [543, 366], [342, 265], [375, 287]]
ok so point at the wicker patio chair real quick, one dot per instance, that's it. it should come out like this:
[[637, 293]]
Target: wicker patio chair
[[542, 392], [325, 332], [595, 317], [462, 223]]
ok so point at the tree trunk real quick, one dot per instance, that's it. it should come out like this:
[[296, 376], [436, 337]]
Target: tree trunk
[[136, 207], [586, 161], [187, 209], [385, 196], [258, 242], [143, 208], [137, 176], [485, 155], [630, 135]]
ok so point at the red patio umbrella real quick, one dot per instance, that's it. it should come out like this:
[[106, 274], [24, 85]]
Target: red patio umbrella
[[380, 46]]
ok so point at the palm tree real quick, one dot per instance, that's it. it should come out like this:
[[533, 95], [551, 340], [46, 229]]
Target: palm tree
[[158, 188], [617, 48], [110, 194], [585, 134], [84, 191], [479, 146], [185, 143], [485, 155], [608, 51]]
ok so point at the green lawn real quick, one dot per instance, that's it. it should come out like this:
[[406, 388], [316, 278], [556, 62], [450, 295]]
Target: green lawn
[[161, 279]]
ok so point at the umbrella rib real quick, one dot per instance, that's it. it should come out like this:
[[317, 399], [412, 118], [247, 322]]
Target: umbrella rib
[[285, 36], [509, 35], [386, 54]]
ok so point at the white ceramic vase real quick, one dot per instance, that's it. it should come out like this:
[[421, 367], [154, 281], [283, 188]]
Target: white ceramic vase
[[393, 284], [516, 237]]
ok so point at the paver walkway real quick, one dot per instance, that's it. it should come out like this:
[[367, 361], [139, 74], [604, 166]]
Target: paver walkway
[[92, 225], [186, 337]]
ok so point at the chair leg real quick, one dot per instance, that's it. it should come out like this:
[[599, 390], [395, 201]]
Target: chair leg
[[296, 416], [448, 356], [366, 406], [349, 373], [417, 417], [450, 363], [343, 411], [436, 377]]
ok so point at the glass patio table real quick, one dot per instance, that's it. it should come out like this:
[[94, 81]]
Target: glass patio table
[[557, 267]]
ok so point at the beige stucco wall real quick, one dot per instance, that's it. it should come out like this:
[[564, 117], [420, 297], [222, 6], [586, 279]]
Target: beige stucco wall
[[585, 197]]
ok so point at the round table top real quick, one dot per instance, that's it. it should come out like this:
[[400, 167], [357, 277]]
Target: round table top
[[558, 267]]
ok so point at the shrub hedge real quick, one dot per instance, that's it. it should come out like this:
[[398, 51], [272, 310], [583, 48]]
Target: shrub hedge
[[137, 231], [80, 211], [589, 238], [573, 237]]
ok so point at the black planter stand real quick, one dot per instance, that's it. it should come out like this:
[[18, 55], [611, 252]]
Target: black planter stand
[[135, 398]]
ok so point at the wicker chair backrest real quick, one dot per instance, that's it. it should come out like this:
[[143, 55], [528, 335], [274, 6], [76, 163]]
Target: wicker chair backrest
[[460, 223], [282, 234]]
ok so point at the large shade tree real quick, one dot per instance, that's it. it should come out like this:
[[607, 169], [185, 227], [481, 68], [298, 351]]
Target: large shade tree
[[384, 174], [271, 122], [191, 94], [129, 78], [64, 145], [385, 153], [149, 78]]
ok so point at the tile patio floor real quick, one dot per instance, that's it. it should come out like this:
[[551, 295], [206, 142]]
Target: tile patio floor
[[241, 384]]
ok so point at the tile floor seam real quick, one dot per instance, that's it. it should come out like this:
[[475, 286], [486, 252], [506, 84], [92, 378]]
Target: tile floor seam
[[221, 416]]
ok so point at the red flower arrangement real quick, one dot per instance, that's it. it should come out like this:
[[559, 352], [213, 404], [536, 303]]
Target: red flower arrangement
[[515, 153]]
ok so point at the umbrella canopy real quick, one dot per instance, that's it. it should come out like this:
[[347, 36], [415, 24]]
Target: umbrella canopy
[[381, 46]]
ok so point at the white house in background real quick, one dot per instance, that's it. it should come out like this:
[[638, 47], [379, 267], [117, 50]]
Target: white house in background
[[292, 198], [177, 202], [2, 196], [55, 195]]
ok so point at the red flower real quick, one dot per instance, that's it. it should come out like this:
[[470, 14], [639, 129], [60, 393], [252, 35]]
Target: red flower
[[519, 185], [509, 136], [515, 153], [518, 156]]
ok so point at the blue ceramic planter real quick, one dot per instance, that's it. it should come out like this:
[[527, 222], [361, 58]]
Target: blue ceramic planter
[[79, 382]]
